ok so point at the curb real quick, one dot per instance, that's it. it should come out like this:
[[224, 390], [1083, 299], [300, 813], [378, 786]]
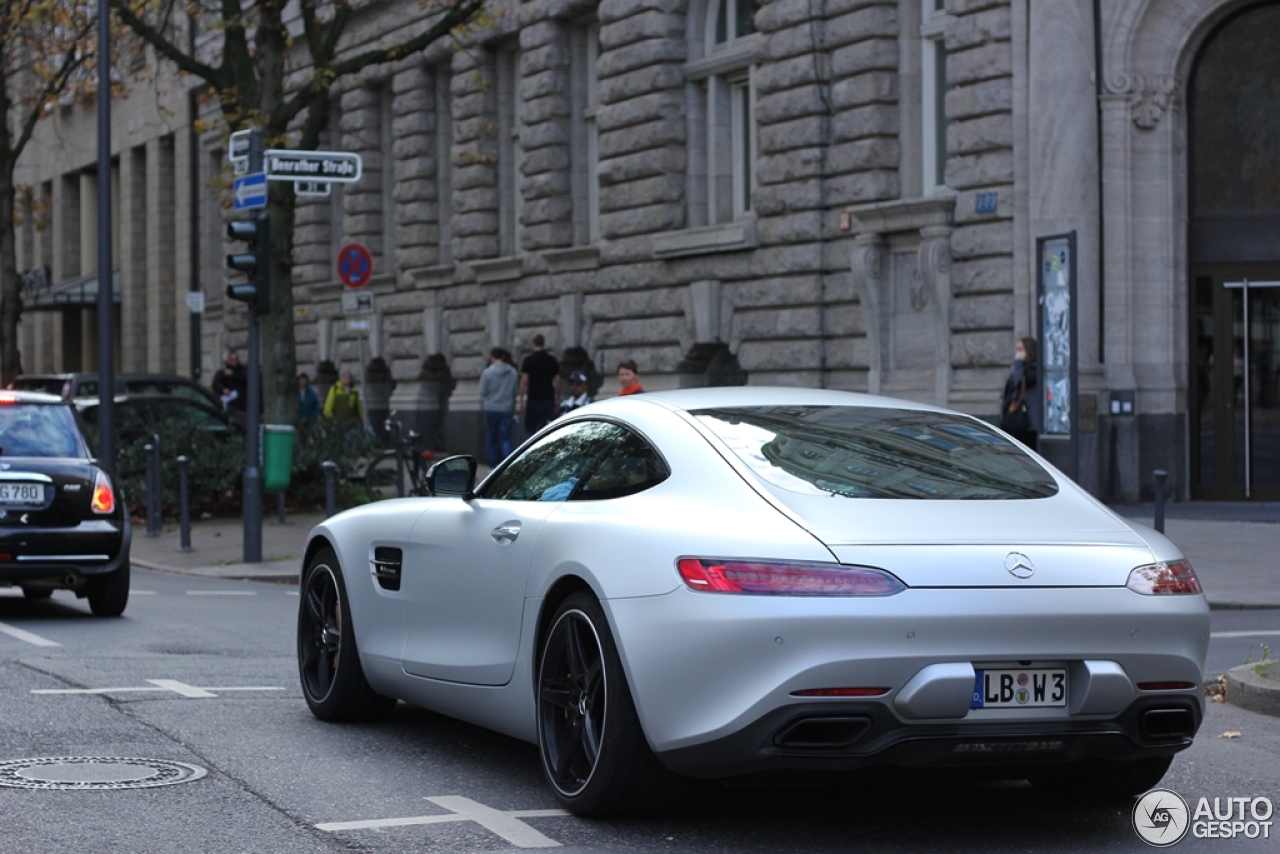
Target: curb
[[1248, 690], [232, 572]]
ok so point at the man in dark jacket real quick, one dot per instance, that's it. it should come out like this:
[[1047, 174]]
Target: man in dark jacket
[[539, 386], [231, 383]]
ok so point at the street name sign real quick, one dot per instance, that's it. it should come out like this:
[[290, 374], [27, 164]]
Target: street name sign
[[250, 191], [334, 166]]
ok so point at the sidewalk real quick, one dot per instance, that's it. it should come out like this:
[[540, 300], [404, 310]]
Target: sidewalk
[[1235, 553]]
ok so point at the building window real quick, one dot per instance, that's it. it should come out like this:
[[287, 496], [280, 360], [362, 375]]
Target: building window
[[933, 92], [509, 153], [584, 178], [722, 111]]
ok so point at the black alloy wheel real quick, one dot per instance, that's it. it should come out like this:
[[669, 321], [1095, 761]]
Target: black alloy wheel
[[332, 680], [594, 752]]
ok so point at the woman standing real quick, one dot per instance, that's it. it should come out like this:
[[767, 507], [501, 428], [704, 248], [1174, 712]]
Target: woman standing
[[1020, 407]]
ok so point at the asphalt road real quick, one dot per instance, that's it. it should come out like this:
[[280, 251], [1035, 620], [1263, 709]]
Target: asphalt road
[[280, 781]]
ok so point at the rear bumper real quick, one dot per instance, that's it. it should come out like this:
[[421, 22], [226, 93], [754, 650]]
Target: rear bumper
[[64, 557], [835, 737]]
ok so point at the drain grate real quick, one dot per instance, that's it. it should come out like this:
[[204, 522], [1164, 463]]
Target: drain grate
[[95, 773]]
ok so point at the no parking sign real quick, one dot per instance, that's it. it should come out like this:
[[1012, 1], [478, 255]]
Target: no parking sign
[[355, 265]]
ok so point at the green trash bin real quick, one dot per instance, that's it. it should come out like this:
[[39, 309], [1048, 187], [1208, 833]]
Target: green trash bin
[[277, 456]]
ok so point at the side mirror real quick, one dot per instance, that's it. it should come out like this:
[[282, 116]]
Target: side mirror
[[453, 476]]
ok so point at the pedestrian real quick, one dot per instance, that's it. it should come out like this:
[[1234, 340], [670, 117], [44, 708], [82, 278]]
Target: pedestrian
[[343, 403], [1020, 407], [579, 394], [231, 383], [308, 403], [629, 378], [498, 384], [539, 386]]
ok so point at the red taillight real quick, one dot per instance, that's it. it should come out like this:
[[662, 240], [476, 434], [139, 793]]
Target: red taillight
[[6, 399], [786, 579], [1161, 578], [1165, 686], [841, 692], [5, 557], [104, 499]]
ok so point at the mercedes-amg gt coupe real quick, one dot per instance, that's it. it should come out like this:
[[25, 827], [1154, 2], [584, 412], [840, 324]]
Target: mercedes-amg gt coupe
[[737, 583]]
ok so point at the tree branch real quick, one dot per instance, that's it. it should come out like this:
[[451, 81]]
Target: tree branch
[[166, 48], [460, 11]]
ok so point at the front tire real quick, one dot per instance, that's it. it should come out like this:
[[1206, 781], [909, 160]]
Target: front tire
[[333, 682], [594, 752], [109, 594]]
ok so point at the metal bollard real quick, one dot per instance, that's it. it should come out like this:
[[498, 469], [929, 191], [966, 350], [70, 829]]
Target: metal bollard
[[330, 475], [153, 489], [280, 506], [184, 513], [1159, 479]]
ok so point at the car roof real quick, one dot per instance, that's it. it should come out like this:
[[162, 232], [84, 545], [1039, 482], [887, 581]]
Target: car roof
[[731, 396], [16, 396]]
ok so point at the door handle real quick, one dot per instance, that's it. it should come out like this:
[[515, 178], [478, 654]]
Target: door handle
[[506, 532]]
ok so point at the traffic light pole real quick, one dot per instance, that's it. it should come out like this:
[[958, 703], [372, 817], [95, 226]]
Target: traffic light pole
[[252, 486]]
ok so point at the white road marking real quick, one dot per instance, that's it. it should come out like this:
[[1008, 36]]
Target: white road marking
[[1257, 634], [173, 685], [292, 593], [221, 593], [133, 592], [24, 635], [502, 823]]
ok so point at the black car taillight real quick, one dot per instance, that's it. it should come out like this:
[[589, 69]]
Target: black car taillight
[[104, 497]]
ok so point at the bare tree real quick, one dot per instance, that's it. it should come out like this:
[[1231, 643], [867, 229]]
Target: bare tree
[[277, 74], [46, 53]]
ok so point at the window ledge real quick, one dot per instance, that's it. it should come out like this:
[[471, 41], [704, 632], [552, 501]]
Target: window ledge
[[497, 269], [724, 237], [905, 214], [731, 57], [437, 276], [571, 259]]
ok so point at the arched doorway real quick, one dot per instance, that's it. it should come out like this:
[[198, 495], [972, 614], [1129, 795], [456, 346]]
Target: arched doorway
[[1234, 249]]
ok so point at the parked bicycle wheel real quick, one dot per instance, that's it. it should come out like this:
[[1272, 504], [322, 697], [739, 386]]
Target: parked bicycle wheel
[[380, 477]]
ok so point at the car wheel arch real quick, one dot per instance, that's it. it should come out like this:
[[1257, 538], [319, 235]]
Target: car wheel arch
[[317, 544]]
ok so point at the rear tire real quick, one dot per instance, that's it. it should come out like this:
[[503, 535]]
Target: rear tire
[[333, 682], [1107, 783], [594, 752], [109, 594], [380, 477]]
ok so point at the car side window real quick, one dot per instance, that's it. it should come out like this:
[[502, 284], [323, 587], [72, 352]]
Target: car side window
[[631, 465], [552, 468]]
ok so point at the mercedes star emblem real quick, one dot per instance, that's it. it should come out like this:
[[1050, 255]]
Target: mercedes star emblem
[[1019, 565]]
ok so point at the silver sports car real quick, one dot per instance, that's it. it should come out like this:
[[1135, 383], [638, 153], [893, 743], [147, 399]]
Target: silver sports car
[[731, 583]]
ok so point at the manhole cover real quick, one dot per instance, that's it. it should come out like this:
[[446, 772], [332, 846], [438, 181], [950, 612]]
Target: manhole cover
[[95, 772]]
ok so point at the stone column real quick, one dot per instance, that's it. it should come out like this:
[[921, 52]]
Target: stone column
[[475, 150], [868, 263], [132, 260], [160, 254], [547, 210], [413, 130], [362, 201]]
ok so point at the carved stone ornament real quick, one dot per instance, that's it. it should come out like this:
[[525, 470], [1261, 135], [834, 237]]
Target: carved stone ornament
[[1149, 99]]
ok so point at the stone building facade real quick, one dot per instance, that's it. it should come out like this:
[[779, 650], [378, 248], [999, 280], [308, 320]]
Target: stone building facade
[[834, 193]]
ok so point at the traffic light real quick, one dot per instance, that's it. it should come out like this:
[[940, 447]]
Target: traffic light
[[256, 264]]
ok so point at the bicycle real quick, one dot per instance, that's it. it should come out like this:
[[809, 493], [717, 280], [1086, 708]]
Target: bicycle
[[383, 476]]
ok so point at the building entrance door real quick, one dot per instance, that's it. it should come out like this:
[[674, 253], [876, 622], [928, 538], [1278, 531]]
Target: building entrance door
[[1235, 383]]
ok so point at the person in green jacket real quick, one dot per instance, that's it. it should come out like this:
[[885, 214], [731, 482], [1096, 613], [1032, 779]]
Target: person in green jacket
[[343, 401]]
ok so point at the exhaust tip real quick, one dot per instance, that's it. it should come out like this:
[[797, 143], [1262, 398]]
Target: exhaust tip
[[1164, 724], [822, 733]]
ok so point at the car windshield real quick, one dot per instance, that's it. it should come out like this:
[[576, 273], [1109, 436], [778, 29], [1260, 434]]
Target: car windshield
[[866, 452], [37, 430]]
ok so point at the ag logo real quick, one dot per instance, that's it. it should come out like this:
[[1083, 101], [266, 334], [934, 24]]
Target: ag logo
[[1161, 817]]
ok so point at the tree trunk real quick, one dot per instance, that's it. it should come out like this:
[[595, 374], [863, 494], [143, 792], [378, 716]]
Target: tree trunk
[[10, 283], [279, 353]]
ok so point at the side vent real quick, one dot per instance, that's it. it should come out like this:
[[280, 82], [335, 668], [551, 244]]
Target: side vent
[[386, 566]]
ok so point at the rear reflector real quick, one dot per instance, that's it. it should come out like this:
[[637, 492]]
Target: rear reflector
[[1165, 686], [786, 579], [841, 692], [1164, 578], [104, 500]]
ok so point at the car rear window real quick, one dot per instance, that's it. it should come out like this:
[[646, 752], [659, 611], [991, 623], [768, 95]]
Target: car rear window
[[38, 430], [866, 452]]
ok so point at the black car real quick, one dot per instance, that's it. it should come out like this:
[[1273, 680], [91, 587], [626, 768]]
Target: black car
[[137, 414], [63, 524], [75, 386]]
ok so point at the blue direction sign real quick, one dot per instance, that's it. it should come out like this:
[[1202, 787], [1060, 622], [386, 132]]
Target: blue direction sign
[[250, 191]]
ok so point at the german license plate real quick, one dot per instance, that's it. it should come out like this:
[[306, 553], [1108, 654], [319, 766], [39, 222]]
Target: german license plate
[[21, 493], [1001, 689]]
